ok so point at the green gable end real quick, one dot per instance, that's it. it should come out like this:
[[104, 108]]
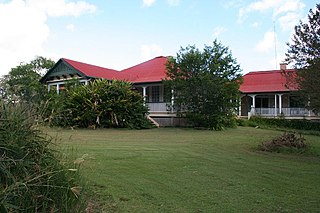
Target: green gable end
[[62, 70]]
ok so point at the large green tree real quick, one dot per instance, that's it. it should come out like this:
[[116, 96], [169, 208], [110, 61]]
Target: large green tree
[[205, 85], [22, 82], [304, 53]]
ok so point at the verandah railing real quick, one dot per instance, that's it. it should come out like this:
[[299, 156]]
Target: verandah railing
[[293, 112], [158, 107], [285, 111]]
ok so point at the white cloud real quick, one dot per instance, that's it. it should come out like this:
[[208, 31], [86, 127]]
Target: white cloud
[[22, 35], [288, 12], [56, 8], [274, 63], [217, 31], [267, 43], [233, 3], [288, 21], [70, 27], [289, 6], [24, 28], [255, 24], [149, 51], [173, 3], [148, 3], [257, 6], [263, 5]]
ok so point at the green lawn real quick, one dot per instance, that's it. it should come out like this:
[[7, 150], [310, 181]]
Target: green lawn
[[187, 170]]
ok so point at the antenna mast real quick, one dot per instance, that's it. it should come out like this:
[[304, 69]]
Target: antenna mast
[[275, 44]]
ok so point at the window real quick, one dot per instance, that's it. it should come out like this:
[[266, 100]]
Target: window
[[59, 87], [262, 102], [296, 102], [155, 94]]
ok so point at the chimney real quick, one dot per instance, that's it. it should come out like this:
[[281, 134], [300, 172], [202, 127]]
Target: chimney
[[283, 66]]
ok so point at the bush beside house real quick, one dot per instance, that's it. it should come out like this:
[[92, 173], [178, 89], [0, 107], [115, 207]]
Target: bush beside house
[[101, 103]]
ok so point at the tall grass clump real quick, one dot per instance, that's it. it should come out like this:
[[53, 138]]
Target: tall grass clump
[[32, 178], [288, 142]]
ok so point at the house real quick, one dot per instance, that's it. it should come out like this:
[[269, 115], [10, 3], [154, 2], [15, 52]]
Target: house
[[266, 93], [262, 93], [146, 78]]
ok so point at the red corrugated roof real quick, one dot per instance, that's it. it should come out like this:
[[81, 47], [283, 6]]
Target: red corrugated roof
[[265, 81], [153, 70], [93, 71]]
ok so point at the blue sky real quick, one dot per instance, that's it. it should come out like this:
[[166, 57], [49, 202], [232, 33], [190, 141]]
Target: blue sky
[[121, 33]]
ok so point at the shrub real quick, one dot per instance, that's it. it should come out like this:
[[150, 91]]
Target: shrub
[[288, 141], [286, 123], [212, 122], [241, 122], [101, 104], [32, 178]]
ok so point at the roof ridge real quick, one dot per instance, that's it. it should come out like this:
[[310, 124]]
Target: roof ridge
[[66, 59], [143, 63], [268, 71]]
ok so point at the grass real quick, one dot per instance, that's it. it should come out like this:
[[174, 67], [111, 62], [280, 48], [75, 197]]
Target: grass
[[33, 177], [186, 170]]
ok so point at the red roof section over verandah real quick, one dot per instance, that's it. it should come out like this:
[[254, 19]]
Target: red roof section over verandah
[[267, 81]]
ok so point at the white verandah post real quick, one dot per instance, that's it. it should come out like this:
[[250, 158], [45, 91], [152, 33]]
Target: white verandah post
[[309, 111], [58, 88], [172, 100], [144, 94], [253, 107], [172, 107], [280, 103], [239, 108], [275, 105]]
